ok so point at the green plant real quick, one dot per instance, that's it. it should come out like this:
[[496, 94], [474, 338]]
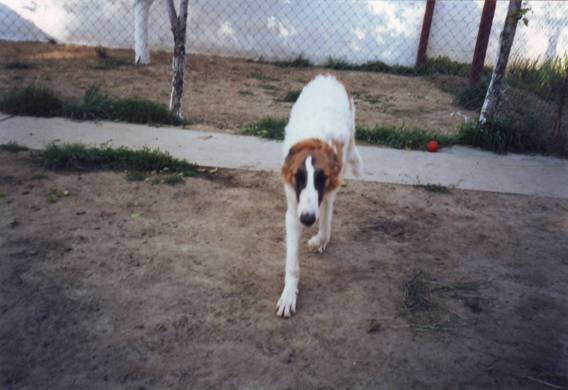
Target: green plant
[[472, 96], [136, 176], [138, 110], [299, 62], [543, 78], [271, 128], [436, 188], [79, 157], [171, 180], [510, 134], [33, 100], [101, 52], [54, 195], [400, 137], [13, 147]]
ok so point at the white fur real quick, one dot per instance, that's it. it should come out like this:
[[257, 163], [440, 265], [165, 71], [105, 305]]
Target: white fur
[[309, 196], [324, 111]]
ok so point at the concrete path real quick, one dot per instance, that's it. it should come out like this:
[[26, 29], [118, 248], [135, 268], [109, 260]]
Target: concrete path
[[460, 167]]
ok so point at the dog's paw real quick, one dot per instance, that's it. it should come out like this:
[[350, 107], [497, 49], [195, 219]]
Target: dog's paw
[[317, 243], [286, 305]]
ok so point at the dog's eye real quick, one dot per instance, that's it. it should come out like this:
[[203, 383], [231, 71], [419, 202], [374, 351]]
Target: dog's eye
[[320, 178], [300, 177]]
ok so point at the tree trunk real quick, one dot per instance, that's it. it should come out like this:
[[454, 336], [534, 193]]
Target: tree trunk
[[178, 24], [141, 46], [491, 102]]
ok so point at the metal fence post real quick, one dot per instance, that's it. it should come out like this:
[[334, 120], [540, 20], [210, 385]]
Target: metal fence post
[[425, 34], [482, 41]]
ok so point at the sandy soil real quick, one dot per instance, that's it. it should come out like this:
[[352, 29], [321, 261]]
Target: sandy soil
[[225, 93], [134, 285]]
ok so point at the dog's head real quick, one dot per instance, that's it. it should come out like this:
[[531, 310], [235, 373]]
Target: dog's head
[[313, 169]]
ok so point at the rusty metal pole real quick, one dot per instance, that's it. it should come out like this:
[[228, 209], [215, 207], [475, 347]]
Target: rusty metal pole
[[425, 34], [482, 41]]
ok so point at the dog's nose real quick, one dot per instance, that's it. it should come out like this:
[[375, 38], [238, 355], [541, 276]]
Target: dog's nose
[[308, 219]]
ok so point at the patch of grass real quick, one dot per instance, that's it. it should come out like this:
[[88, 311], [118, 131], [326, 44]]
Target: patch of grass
[[299, 62], [245, 92], [13, 147], [268, 87], [257, 75], [136, 176], [396, 137], [270, 128], [138, 110], [18, 65], [42, 101], [55, 195], [436, 188], [39, 176], [511, 134], [3, 195], [416, 294], [105, 61], [544, 78], [34, 100], [291, 96], [371, 66], [401, 138], [472, 96], [77, 157]]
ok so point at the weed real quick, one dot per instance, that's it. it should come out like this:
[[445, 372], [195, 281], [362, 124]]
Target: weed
[[136, 176], [34, 100], [13, 147], [416, 294], [291, 96], [257, 75], [299, 62], [271, 128], [472, 96], [138, 110], [245, 92], [401, 138], [268, 87], [82, 158], [3, 195], [54, 195], [544, 78], [436, 188], [511, 134], [18, 65], [101, 52], [42, 101]]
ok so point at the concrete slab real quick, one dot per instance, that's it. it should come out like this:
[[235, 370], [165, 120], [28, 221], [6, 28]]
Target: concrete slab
[[461, 167]]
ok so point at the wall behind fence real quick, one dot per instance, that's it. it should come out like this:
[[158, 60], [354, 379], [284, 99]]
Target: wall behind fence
[[356, 31]]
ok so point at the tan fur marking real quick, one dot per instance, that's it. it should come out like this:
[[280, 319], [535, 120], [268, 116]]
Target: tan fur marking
[[325, 158]]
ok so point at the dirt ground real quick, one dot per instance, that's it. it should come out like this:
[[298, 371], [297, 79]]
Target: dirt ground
[[139, 286], [225, 94]]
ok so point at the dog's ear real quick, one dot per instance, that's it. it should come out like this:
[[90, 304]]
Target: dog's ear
[[288, 167]]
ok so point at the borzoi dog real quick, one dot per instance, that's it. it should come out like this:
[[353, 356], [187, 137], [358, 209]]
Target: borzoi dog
[[320, 138]]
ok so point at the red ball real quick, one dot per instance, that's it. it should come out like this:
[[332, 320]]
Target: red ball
[[432, 146]]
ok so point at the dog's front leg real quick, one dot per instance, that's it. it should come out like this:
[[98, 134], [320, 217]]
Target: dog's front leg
[[287, 303]]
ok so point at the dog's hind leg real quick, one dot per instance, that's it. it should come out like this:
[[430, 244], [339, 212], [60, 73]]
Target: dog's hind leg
[[287, 303], [319, 242], [353, 157]]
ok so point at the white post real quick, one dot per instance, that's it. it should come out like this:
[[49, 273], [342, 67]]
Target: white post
[[141, 46]]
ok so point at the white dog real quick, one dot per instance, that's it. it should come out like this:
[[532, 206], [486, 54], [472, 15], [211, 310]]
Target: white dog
[[320, 137]]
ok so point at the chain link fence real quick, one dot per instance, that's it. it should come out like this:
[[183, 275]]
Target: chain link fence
[[351, 35]]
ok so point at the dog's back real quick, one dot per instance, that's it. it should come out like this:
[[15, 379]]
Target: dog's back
[[324, 110]]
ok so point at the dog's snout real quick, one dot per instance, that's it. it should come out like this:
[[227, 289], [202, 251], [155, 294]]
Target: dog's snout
[[308, 219]]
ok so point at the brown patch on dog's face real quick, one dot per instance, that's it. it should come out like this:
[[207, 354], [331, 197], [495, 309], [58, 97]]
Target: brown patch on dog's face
[[326, 161]]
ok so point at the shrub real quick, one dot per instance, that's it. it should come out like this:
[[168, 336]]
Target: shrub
[[34, 100]]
